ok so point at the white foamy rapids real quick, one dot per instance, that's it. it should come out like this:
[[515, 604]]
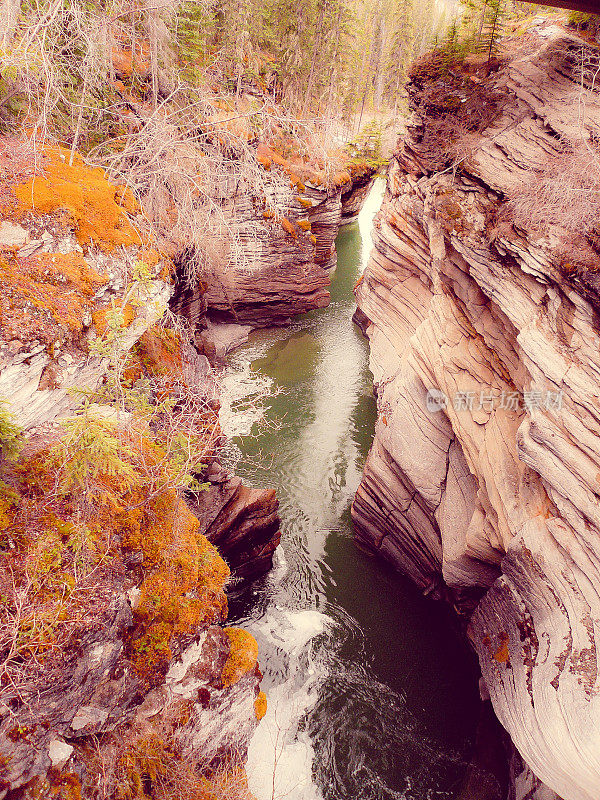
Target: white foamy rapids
[[280, 756], [241, 393]]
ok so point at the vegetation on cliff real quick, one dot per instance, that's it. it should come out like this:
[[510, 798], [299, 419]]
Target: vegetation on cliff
[[459, 91], [93, 518]]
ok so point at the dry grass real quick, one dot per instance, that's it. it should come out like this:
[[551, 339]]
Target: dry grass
[[561, 198], [565, 192], [149, 761]]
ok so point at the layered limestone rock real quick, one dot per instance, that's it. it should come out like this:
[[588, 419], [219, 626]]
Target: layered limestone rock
[[241, 521], [282, 261], [483, 480]]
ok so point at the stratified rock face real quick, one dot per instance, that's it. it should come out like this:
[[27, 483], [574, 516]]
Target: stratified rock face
[[242, 522], [484, 477], [282, 266], [354, 197]]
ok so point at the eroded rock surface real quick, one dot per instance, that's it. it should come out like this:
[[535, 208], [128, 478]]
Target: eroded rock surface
[[483, 480], [282, 266]]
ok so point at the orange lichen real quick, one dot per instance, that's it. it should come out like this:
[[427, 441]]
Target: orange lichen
[[260, 706], [100, 317], [243, 655], [46, 296], [304, 201], [184, 577], [288, 227], [502, 654], [304, 224], [85, 193]]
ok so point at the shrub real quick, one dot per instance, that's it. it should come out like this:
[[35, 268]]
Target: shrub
[[10, 435]]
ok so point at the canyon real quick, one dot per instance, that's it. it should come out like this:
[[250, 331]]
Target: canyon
[[482, 484]]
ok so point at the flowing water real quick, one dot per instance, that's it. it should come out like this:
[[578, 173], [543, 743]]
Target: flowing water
[[371, 690]]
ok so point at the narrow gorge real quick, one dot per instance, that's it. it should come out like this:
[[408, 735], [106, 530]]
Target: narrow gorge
[[117, 669], [299, 400]]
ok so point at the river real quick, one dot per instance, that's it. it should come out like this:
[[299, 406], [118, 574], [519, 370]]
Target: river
[[372, 691]]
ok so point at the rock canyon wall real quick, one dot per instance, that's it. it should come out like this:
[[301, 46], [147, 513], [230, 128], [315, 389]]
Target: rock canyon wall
[[481, 305], [282, 263]]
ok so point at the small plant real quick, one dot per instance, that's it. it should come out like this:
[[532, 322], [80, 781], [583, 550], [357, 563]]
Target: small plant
[[585, 22], [10, 436], [93, 457]]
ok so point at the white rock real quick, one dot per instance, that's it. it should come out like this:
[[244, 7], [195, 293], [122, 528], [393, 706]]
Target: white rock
[[59, 753], [12, 235]]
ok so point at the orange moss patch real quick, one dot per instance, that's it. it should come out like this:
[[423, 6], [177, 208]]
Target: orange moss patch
[[290, 156], [288, 227], [184, 577], [243, 655], [95, 206], [46, 296], [100, 317], [124, 198], [159, 350], [260, 706], [295, 181]]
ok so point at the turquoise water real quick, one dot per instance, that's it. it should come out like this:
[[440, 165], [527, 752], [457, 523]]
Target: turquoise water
[[372, 691]]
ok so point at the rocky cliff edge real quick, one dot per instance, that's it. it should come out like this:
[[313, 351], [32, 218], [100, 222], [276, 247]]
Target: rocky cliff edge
[[481, 305]]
